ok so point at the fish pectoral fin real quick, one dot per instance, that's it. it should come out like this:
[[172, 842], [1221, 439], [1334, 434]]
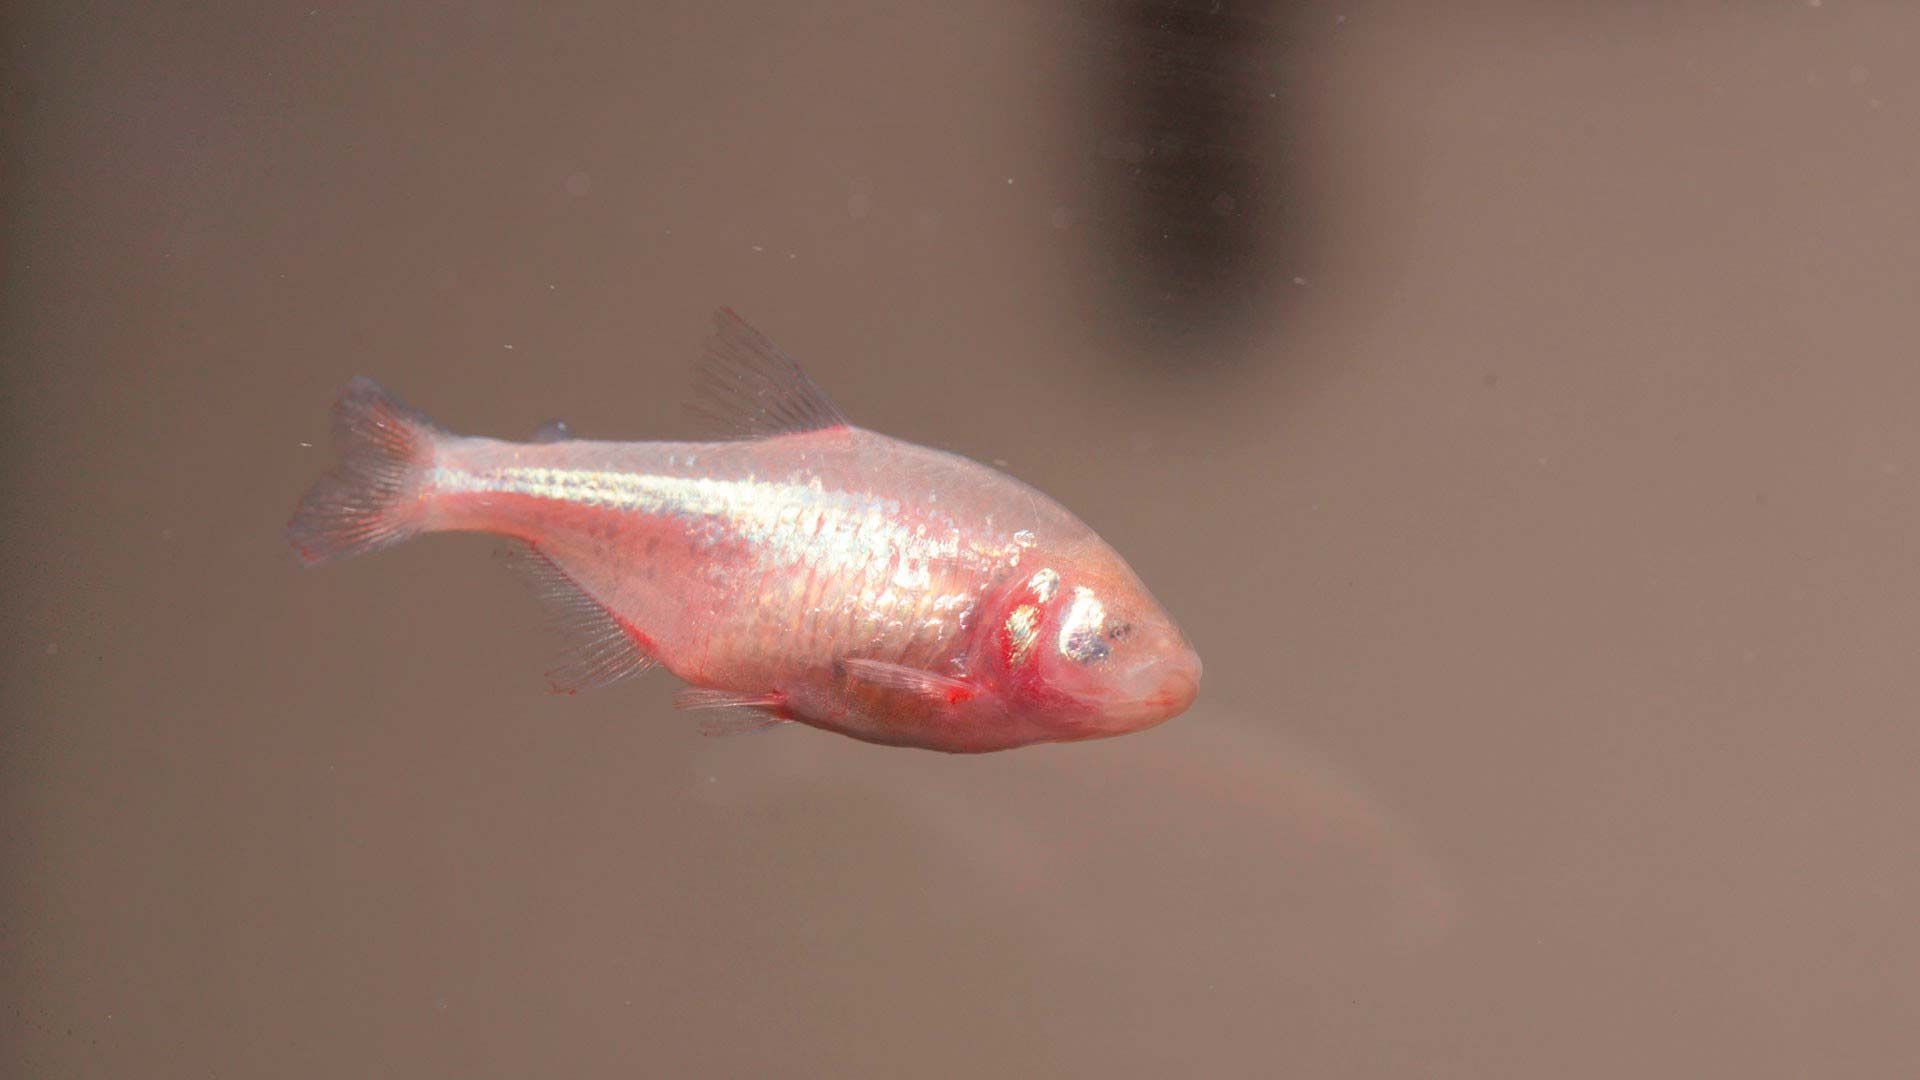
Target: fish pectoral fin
[[912, 680], [601, 648], [745, 713], [748, 388]]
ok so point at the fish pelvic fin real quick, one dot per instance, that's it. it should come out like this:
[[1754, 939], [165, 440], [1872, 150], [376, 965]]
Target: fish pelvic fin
[[374, 495], [737, 714]]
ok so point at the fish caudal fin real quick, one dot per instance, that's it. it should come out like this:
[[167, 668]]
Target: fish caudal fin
[[372, 498]]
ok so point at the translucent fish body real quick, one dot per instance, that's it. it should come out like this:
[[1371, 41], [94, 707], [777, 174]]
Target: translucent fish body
[[814, 572]]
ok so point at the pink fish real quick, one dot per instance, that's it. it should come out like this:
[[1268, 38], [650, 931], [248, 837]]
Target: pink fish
[[808, 570]]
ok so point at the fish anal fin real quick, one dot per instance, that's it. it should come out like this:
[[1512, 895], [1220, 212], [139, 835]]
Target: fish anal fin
[[553, 431], [739, 714], [916, 681], [602, 647], [748, 387]]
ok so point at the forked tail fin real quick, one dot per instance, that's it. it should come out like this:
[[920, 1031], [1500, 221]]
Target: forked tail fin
[[372, 498]]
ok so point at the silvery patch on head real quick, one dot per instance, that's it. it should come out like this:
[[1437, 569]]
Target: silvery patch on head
[[1080, 639]]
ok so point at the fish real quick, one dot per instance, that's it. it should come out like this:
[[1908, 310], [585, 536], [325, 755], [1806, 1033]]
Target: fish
[[796, 569]]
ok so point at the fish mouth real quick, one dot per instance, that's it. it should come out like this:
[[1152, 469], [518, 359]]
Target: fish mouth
[[1174, 694], [1181, 685]]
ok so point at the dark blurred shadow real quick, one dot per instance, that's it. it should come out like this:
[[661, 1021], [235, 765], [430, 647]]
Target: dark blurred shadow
[[1113, 835], [18, 92], [1185, 136]]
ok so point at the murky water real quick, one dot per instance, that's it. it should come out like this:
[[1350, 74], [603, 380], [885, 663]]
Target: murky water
[[1514, 401]]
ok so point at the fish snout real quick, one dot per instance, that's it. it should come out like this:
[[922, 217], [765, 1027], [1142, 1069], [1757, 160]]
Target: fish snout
[[1179, 685], [1160, 691]]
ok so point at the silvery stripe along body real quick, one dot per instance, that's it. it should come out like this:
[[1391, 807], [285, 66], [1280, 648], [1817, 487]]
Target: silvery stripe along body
[[757, 559]]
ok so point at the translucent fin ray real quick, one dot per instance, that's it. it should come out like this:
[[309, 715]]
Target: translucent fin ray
[[367, 501], [743, 714], [912, 680], [747, 387], [746, 723], [601, 647]]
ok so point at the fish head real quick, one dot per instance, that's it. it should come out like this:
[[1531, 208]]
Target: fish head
[[1080, 647]]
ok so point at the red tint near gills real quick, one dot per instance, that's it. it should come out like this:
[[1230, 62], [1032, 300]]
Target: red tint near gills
[[803, 570]]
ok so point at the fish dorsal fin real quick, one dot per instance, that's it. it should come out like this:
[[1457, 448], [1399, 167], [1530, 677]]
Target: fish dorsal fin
[[553, 431], [601, 649], [747, 387]]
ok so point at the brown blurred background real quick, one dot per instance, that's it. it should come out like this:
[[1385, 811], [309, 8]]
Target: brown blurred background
[[1515, 400]]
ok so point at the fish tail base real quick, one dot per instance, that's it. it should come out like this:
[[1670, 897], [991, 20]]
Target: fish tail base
[[375, 496]]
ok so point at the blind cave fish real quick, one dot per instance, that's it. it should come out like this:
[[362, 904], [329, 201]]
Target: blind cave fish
[[802, 570]]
